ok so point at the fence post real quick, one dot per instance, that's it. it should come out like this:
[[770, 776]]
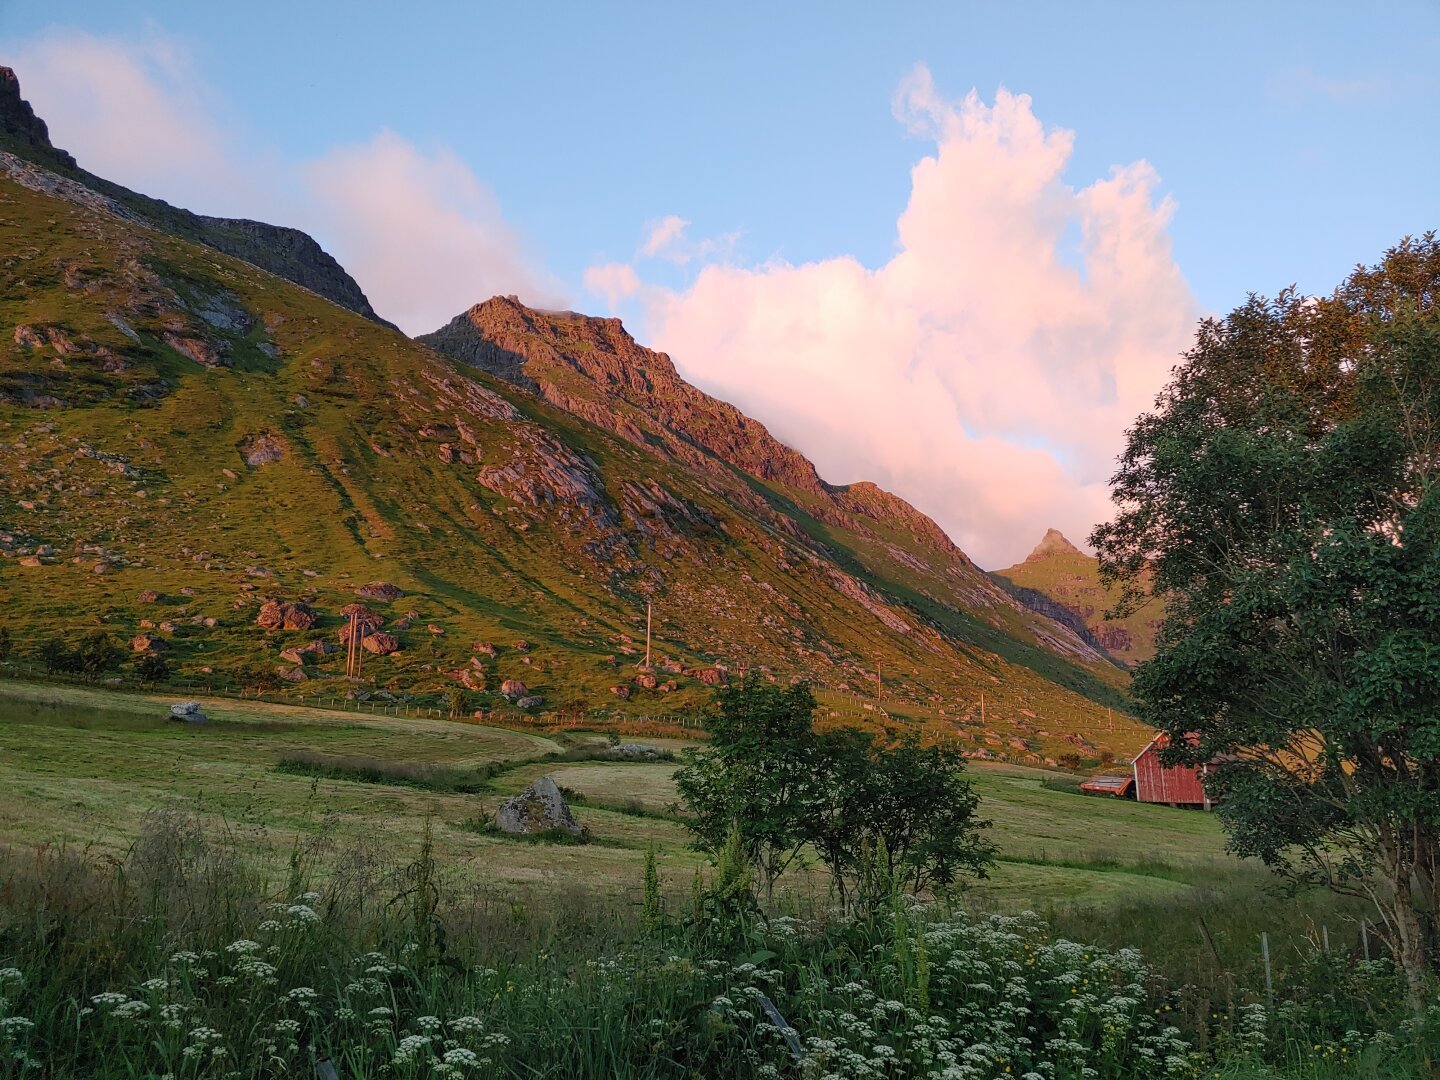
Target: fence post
[[1265, 956], [1364, 939], [1325, 938]]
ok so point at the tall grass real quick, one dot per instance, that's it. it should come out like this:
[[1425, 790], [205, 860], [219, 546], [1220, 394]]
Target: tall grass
[[184, 958]]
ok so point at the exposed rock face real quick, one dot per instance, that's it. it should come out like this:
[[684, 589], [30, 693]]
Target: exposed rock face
[[1053, 543], [19, 122], [539, 808], [380, 590]]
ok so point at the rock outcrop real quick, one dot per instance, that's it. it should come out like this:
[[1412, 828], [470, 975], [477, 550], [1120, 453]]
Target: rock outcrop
[[188, 711]]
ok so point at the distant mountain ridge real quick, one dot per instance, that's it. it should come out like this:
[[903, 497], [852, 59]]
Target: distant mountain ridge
[[1059, 580], [285, 252]]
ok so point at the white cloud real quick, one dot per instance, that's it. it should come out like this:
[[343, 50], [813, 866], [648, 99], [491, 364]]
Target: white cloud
[[980, 372], [423, 236]]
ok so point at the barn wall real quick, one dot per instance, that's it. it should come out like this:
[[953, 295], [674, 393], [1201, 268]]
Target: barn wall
[[1155, 783]]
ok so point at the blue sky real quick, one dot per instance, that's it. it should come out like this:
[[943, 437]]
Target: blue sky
[[1293, 140]]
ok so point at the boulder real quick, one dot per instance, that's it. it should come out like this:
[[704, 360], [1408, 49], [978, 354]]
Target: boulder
[[380, 590], [522, 645], [188, 711], [149, 596], [514, 689], [381, 644], [622, 692], [709, 676], [292, 656], [540, 808], [645, 680], [485, 647], [436, 630], [279, 615], [31, 560], [529, 701], [291, 674], [144, 643]]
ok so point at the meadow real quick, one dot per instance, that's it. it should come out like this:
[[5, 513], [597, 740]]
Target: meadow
[[339, 867]]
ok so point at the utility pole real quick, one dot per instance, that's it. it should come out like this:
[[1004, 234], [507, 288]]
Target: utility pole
[[877, 680], [982, 708], [647, 634]]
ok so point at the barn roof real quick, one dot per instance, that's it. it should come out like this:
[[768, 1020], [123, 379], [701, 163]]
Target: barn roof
[[1110, 784]]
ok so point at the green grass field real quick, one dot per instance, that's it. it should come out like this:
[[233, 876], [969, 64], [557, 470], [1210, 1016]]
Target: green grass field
[[81, 767]]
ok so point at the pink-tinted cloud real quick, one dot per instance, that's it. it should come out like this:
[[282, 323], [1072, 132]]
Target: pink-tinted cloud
[[135, 111], [616, 282], [988, 370], [423, 236], [664, 238], [421, 233]]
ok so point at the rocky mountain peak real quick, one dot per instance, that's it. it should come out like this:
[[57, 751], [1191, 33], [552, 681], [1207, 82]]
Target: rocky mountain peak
[[19, 122], [1053, 543]]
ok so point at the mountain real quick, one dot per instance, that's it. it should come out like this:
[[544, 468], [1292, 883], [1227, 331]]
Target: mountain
[[287, 253], [1059, 580], [203, 459]]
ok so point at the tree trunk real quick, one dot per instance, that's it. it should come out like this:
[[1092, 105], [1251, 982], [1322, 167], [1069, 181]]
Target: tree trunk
[[1411, 951]]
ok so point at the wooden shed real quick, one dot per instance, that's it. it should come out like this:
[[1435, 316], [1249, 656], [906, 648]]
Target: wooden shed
[[1180, 785], [1117, 787]]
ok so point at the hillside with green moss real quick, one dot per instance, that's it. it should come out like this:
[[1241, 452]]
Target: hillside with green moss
[[206, 461], [1062, 582]]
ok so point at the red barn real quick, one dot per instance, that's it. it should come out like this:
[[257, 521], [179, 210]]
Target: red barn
[[1181, 785]]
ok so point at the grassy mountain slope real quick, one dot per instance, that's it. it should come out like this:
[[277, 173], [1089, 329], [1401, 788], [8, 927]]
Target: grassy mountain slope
[[178, 422], [1060, 580]]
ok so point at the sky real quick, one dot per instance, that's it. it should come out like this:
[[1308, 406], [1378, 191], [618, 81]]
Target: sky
[[952, 248]]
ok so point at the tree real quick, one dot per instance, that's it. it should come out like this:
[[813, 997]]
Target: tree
[[58, 658], [97, 654], [754, 774], [895, 815], [1284, 494], [151, 668], [880, 815], [457, 702]]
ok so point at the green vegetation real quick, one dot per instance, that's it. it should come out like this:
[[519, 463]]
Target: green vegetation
[[879, 816], [1284, 497]]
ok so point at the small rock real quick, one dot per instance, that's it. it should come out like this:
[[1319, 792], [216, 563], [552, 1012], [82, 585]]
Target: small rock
[[380, 590], [436, 630], [149, 596], [380, 644], [622, 692], [522, 645], [485, 647]]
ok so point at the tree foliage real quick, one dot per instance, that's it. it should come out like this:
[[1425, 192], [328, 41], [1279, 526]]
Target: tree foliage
[[151, 668], [879, 814], [1283, 494]]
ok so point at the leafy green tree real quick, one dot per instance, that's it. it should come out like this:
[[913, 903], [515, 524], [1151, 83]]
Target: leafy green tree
[[1284, 494], [58, 658], [97, 654], [457, 702], [881, 816], [754, 774], [151, 668], [898, 816]]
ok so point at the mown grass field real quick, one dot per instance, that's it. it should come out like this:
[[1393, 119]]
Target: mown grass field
[[81, 767]]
